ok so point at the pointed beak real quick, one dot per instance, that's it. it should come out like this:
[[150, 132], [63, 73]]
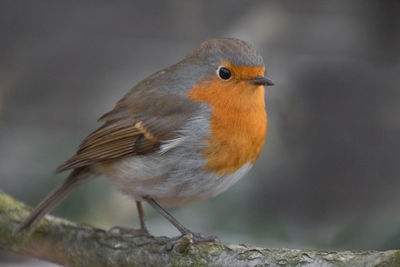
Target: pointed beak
[[261, 80]]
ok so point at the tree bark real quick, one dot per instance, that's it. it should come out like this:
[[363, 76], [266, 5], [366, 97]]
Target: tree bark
[[67, 243]]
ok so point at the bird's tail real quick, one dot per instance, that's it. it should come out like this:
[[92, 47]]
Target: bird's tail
[[77, 177]]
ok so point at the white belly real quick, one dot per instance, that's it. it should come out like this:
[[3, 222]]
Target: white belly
[[169, 183]]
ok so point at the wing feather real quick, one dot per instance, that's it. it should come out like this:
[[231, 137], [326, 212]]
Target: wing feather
[[115, 139]]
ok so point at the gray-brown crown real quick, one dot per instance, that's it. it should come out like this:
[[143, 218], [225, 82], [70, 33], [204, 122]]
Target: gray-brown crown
[[233, 50]]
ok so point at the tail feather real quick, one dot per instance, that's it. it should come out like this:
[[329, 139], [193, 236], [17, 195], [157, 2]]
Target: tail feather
[[77, 177]]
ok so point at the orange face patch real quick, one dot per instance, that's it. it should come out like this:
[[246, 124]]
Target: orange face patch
[[238, 123]]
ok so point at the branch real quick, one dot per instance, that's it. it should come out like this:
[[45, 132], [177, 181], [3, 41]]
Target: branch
[[72, 244]]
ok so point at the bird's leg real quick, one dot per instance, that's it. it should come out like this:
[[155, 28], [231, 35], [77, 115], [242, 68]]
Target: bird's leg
[[197, 237], [134, 232], [141, 217]]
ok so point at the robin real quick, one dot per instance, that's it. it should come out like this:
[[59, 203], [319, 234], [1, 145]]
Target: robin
[[184, 134]]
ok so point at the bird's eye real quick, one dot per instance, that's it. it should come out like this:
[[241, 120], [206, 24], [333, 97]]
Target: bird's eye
[[224, 73]]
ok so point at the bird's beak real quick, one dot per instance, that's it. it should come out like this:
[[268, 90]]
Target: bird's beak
[[261, 80]]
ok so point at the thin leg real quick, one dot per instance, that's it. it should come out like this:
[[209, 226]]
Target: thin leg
[[168, 216], [184, 231], [141, 216], [134, 232]]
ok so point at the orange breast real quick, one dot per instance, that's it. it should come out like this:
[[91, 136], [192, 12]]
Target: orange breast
[[238, 124]]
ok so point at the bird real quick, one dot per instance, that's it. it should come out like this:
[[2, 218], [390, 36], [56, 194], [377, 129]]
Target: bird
[[184, 134]]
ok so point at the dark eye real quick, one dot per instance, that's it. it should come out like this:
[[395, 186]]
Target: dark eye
[[224, 73]]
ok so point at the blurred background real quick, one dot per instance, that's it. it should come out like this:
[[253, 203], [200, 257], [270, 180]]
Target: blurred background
[[328, 176]]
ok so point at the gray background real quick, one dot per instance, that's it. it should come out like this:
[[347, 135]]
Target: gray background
[[328, 176]]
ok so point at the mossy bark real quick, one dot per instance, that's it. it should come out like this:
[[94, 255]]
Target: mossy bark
[[72, 244]]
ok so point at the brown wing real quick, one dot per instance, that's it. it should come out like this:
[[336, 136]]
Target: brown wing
[[130, 130], [117, 138]]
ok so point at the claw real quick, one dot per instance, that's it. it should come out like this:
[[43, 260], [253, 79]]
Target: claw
[[199, 238], [186, 240]]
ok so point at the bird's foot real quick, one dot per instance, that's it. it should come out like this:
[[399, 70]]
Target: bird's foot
[[199, 238], [129, 231], [189, 238]]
